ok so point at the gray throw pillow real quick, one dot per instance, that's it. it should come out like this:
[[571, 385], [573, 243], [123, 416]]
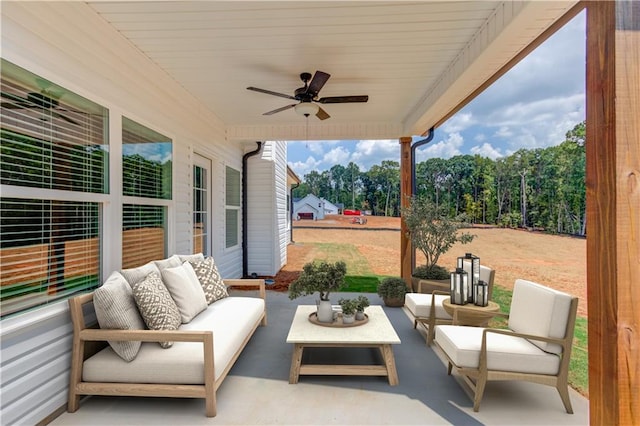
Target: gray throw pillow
[[210, 280], [116, 309], [156, 306]]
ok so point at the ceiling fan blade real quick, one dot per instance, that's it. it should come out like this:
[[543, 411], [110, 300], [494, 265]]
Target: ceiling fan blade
[[318, 81], [343, 99], [269, 92], [322, 114], [279, 109]]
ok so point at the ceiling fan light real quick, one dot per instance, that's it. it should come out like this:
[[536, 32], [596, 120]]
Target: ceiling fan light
[[307, 108]]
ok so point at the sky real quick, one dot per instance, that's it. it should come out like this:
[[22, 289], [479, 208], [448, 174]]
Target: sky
[[532, 106]]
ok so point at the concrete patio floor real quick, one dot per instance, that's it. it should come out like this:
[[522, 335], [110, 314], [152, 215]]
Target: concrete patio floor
[[257, 391]]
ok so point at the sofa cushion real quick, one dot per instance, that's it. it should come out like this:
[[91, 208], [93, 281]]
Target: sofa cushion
[[133, 275], [419, 305], [539, 310], [116, 309], [231, 320], [198, 257], [169, 262], [185, 289], [504, 353], [210, 280], [156, 306]]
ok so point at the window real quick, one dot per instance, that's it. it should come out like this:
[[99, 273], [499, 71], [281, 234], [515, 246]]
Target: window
[[201, 236], [52, 141], [143, 234], [146, 162], [50, 250], [146, 174], [232, 207]]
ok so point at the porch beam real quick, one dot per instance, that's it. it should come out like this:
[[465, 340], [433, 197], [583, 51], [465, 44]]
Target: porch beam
[[406, 192], [613, 219]]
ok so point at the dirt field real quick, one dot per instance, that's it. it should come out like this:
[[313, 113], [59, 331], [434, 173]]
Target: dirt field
[[556, 261]]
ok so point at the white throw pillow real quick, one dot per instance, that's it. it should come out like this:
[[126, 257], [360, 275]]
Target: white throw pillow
[[170, 262], [156, 306], [198, 257], [186, 291], [116, 309], [134, 275]]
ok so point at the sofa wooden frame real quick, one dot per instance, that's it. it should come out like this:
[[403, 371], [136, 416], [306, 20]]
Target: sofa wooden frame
[[89, 340], [477, 378]]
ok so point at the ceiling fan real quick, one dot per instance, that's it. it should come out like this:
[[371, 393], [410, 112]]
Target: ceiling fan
[[308, 96], [35, 100]]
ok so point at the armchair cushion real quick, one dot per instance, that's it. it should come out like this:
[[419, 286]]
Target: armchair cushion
[[504, 353], [419, 304], [539, 310]]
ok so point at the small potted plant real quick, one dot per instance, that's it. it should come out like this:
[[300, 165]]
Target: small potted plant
[[349, 308], [363, 302], [392, 290], [321, 277]]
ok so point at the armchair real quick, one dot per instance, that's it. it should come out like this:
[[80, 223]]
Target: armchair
[[535, 348], [427, 309]]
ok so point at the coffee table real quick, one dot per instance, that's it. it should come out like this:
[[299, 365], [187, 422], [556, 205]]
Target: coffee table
[[376, 333]]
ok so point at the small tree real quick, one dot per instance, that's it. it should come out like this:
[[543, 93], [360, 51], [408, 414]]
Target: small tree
[[321, 277], [432, 231]]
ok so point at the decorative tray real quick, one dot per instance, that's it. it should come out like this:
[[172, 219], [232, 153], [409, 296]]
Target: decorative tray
[[337, 322]]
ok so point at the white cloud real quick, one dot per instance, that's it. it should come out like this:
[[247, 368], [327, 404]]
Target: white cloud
[[486, 150], [301, 168], [370, 152], [459, 122], [338, 155], [443, 149]]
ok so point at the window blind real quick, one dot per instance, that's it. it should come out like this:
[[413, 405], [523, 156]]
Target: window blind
[[48, 250], [51, 139], [143, 234]]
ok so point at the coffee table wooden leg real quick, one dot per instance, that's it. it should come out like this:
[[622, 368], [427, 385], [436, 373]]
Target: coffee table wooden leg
[[390, 363], [296, 361]]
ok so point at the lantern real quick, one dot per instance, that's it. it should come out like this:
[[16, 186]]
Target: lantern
[[482, 294], [471, 264], [459, 287]]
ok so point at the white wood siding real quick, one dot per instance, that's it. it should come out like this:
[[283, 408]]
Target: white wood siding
[[281, 240], [67, 43]]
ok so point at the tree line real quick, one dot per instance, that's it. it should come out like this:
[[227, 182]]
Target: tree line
[[542, 188]]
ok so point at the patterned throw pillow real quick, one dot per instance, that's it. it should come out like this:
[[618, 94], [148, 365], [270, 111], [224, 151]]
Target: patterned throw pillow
[[210, 280], [156, 306], [116, 309]]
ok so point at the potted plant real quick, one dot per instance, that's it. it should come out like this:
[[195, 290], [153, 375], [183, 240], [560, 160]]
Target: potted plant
[[321, 277], [349, 308], [433, 232], [392, 290], [363, 302]]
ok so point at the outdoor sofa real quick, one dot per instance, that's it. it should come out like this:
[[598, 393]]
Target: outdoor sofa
[[178, 342]]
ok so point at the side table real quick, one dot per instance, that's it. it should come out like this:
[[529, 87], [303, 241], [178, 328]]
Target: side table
[[471, 314]]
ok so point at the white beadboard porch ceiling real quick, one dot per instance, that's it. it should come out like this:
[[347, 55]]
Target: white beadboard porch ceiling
[[415, 60]]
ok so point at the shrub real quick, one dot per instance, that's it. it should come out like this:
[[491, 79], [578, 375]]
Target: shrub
[[393, 288]]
